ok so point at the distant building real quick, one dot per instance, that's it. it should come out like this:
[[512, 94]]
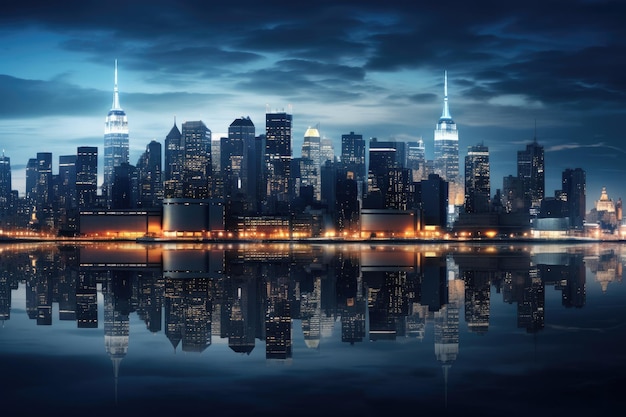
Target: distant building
[[278, 160], [531, 172]]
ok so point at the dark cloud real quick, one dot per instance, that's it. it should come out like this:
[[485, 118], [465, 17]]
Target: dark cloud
[[35, 98]]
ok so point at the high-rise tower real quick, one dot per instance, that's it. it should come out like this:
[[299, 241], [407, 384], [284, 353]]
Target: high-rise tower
[[531, 172], [447, 150], [115, 141], [477, 179], [278, 157]]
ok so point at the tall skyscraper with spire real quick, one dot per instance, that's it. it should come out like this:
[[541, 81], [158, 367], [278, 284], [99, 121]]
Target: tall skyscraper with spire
[[116, 142], [447, 151]]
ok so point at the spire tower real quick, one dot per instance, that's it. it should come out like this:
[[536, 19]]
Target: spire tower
[[116, 93], [445, 114]]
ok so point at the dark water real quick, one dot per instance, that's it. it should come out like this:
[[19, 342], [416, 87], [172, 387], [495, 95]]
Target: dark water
[[304, 330]]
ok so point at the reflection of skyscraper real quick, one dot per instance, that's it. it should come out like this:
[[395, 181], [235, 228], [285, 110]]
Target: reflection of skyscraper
[[310, 314], [278, 315], [477, 300], [116, 141], [197, 315], [117, 292]]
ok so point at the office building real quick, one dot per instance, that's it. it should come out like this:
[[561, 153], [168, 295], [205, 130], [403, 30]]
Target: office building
[[531, 172], [278, 130], [446, 148], [416, 160], [197, 162], [353, 155], [86, 176], [173, 169], [477, 179], [5, 184], [116, 142], [149, 177], [574, 188]]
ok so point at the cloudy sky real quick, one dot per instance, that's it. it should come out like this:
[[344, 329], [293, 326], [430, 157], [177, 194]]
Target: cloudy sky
[[554, 69]]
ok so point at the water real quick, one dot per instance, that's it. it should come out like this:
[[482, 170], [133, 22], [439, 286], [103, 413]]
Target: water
[[132, 330]]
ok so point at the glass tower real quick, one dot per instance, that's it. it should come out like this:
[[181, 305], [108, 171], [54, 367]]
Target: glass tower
[[115, 141]]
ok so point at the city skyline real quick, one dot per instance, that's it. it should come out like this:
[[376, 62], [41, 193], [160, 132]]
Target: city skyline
[[515, 73]]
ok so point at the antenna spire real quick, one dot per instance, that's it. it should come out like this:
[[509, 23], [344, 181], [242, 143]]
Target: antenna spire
[[116, 95], [446, 109]]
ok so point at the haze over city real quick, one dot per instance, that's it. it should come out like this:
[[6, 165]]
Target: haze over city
[[551, 70]]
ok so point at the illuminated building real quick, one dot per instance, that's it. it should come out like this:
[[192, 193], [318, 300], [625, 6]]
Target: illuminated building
[[327, 150], [477, 179], [116, 141], [44, 190], [416, 160], [65, 192], [446, 148], [197, 218], [531, 172], [197, 163], [173, 170], [311, 162], [278, 159], [574, 186], [386, 159], [237, 154], [86, 176], [149, 177], [5, 184], [353, 155]]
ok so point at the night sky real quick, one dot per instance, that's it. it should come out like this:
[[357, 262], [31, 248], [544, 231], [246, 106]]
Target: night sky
[[554, 70]]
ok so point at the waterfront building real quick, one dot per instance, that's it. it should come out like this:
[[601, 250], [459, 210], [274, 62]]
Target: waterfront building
[[116, 141]]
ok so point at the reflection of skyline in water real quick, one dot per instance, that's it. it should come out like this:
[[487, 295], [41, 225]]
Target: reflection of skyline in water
[[247, 293], [275, 297]]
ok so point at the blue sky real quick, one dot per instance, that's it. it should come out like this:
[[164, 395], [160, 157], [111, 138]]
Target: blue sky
[[372, 67]]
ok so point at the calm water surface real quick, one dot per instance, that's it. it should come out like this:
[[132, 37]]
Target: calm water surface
[[305, 330]]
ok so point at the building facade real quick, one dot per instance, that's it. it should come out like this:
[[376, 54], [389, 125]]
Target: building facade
[[116, 141]]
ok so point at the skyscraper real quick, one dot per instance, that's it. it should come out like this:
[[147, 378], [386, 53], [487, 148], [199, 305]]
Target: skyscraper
[[447, 150], [311, 161], [86, 176], [237, 157], [353, 155], [5, 184], [173, 170], [278, 157], [116, 142], [477, 179], [416, 160], [149, 177], [44, 190], [574, 187], [531, 172], [197, 167]]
